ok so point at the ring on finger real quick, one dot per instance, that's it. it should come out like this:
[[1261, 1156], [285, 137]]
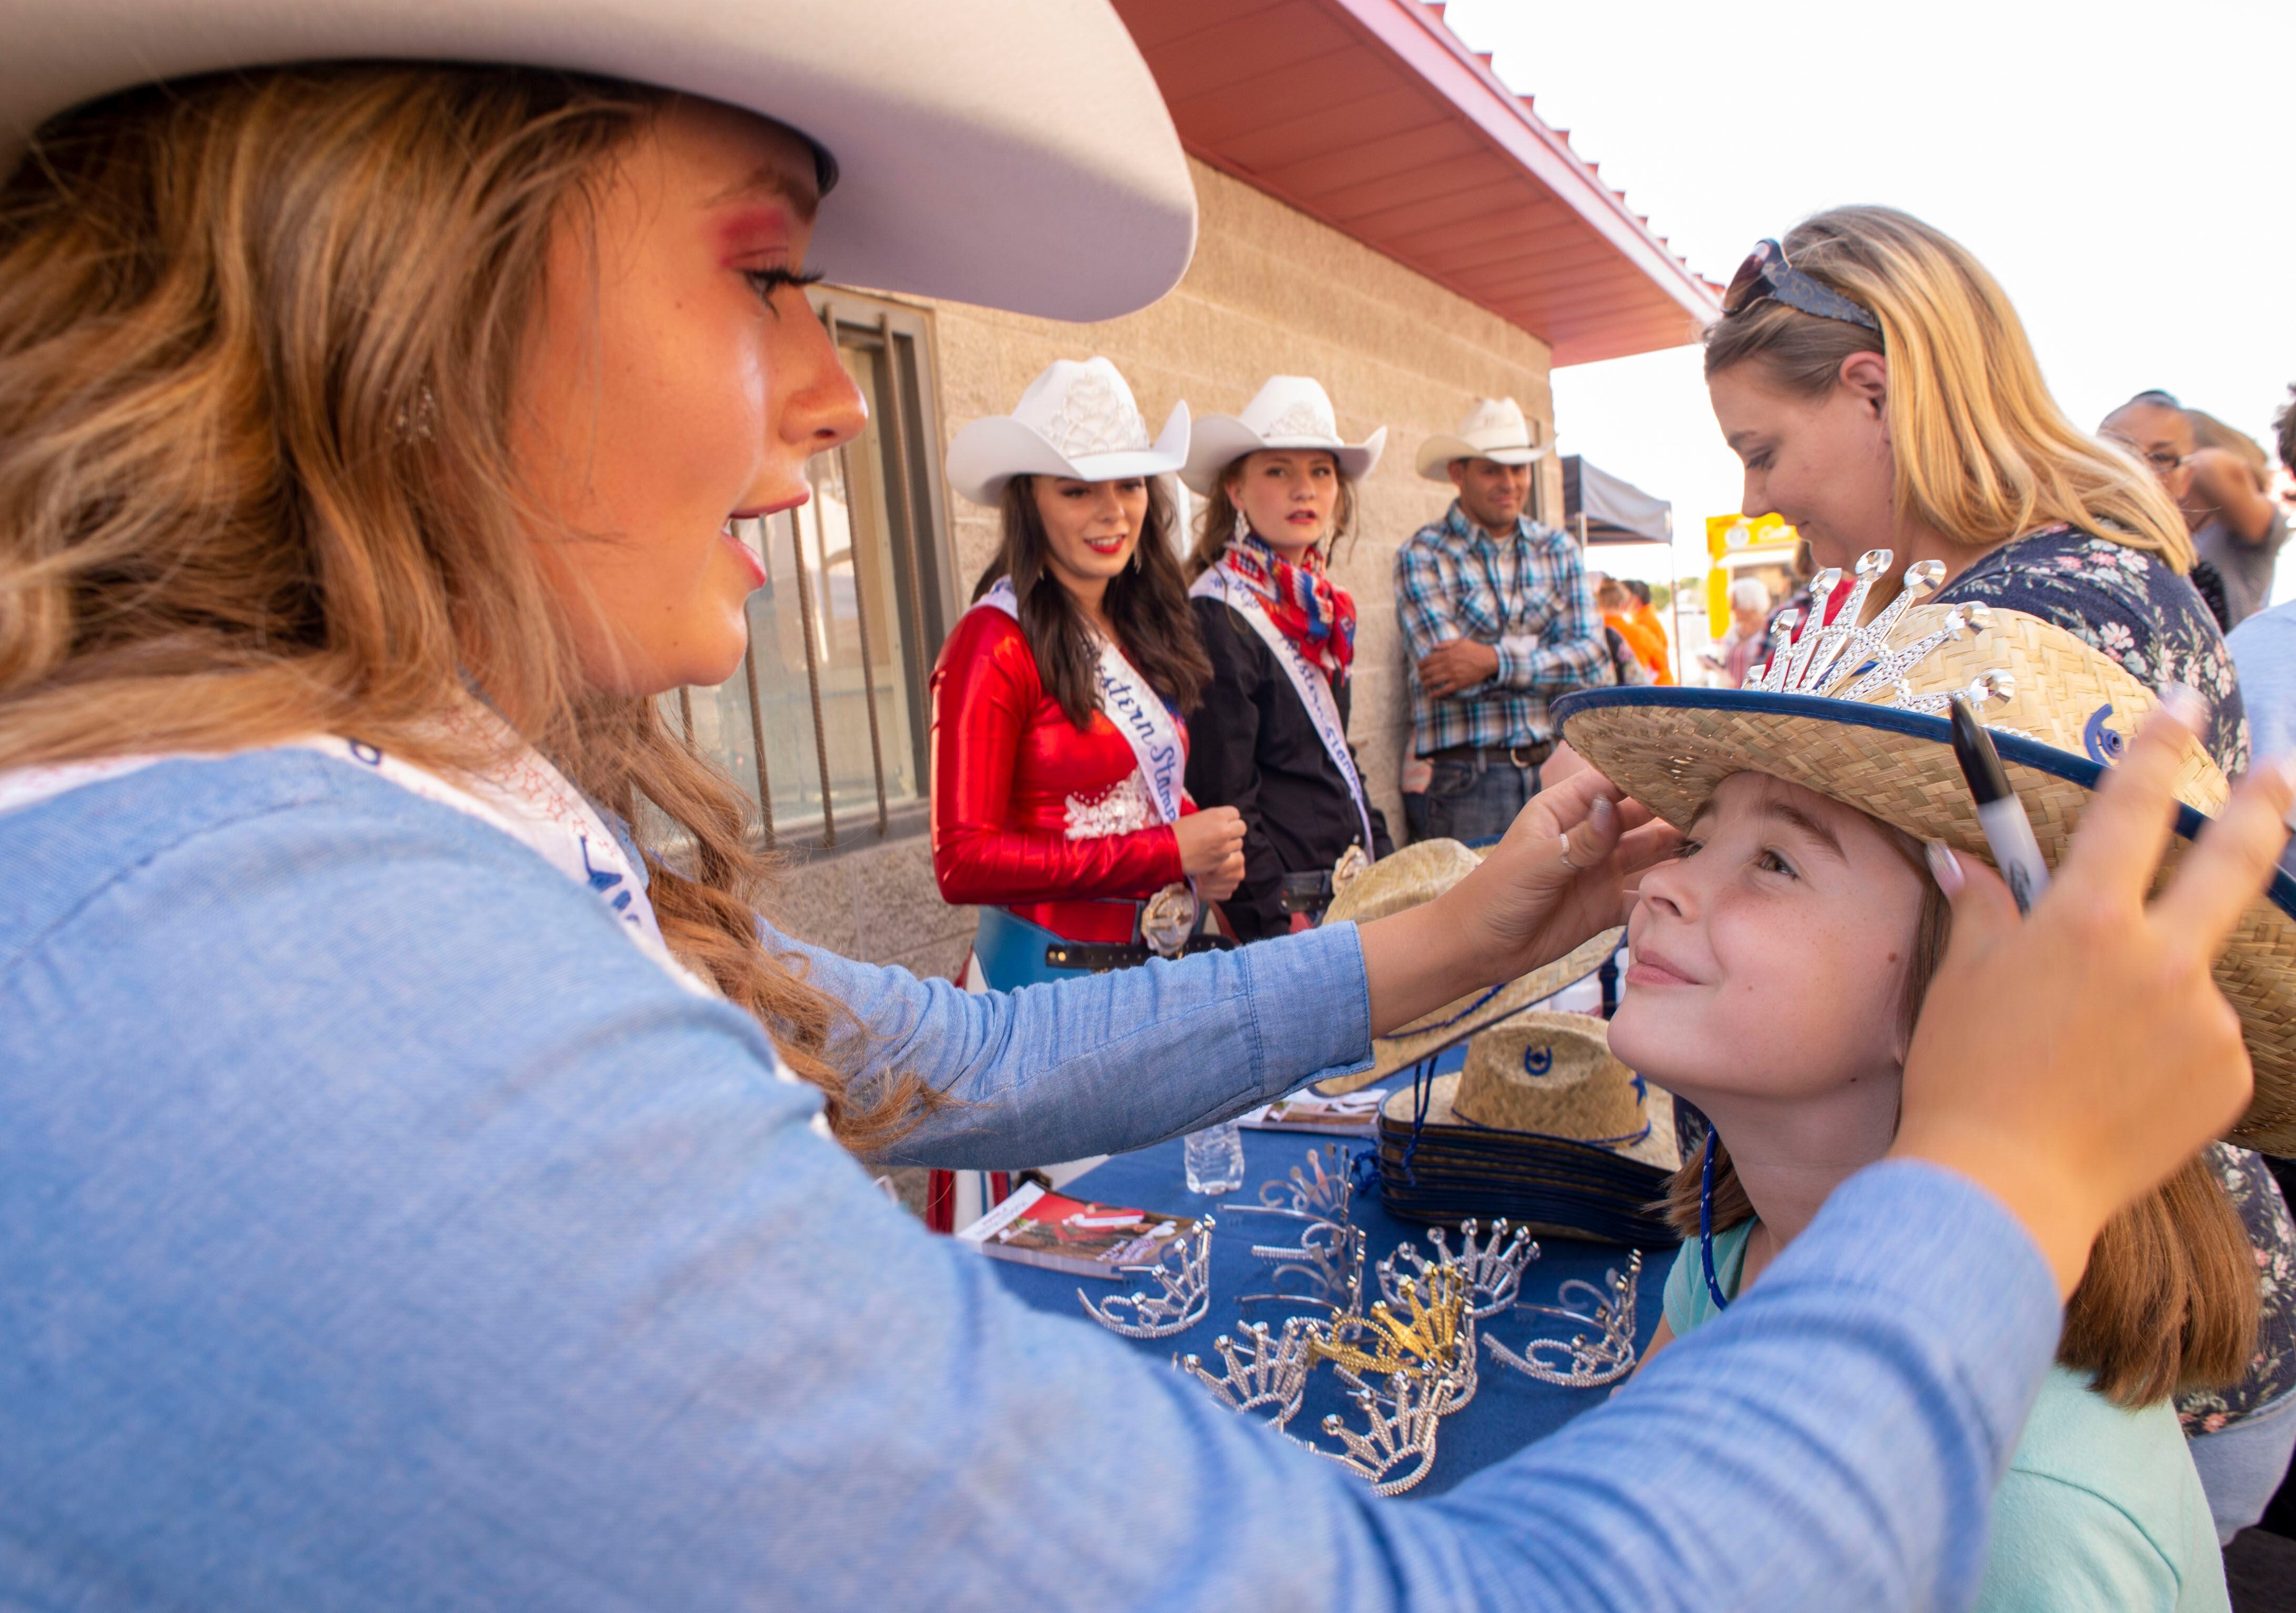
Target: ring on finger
[[1564, 841]]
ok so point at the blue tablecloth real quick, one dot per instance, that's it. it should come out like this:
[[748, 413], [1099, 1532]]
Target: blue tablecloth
[[1509, 1410]]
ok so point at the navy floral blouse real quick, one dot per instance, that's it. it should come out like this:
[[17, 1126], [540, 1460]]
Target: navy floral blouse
[[2135, 609], [2128, 605]]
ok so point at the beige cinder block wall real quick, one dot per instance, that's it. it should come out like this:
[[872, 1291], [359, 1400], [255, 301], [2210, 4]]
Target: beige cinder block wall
[[1271, 292]]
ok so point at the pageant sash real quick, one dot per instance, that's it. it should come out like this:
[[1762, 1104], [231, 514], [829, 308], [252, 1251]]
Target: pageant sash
[[531, 801], [1307, 679], [1136, 709]]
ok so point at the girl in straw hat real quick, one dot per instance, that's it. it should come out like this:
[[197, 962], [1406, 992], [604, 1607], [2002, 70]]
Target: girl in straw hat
[[386, 1118], [1060, 743], [1779, 967], [1879, 387], [1271, 739]]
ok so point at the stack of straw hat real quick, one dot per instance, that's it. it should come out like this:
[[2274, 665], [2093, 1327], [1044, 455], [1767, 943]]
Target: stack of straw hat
[[1543, 1127]]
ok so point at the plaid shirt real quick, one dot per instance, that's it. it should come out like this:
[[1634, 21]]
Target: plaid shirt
[[1528, 597]]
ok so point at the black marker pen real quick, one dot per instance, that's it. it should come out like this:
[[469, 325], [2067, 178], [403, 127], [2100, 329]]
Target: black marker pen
[[1999, 813]]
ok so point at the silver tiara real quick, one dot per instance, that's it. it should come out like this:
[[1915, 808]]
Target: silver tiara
[[1493, 1270], [1832, 656], [1182, 1275], [1589, 1360], [1404, 1361]]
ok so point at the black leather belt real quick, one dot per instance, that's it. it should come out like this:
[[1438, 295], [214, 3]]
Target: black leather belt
[[1310, 892], [1103, 957], [1532, 755]]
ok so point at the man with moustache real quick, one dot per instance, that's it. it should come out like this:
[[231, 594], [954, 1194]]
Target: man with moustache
[[1496, 621]]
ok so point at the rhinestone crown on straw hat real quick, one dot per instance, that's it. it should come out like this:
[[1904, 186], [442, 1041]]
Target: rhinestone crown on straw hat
[[1856, 712]]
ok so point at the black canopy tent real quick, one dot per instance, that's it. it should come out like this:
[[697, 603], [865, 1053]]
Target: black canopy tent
[[1598, 508]]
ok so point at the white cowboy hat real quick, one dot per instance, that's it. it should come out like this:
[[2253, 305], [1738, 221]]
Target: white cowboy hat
[[1042, 176], [1493, 430], [1075, 419], [1290, 411]]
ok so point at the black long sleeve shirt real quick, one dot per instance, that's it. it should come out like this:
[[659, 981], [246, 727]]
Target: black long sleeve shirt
[[1253, 746]]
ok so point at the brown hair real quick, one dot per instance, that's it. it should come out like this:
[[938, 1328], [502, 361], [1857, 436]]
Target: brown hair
[[1983, 452], [1147, 603], [259, 341], [2210, 432], [2284, 423], [1215, 527], [2169, 1302]]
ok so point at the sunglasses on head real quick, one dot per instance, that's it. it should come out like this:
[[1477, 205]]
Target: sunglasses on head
[[1765, 273]]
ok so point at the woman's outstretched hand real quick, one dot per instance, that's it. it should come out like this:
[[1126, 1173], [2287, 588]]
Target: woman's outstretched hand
[[2069, 1061], [1561, 876]]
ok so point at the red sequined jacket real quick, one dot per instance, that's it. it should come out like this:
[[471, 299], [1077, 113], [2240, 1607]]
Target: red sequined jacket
[[1028, 813]]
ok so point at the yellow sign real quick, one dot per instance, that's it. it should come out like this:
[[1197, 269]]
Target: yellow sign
[[1727, 533], [1728, 538]]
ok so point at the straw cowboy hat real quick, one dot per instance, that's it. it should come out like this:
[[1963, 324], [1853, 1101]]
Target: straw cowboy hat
[[1290, 411], [1543, 1125], [1859, 714], [1046, 178], [1075, 420], [1420, 872], [1493, 430]]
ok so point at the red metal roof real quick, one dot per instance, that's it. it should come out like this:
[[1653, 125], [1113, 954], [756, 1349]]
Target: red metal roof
[[1373, 116]]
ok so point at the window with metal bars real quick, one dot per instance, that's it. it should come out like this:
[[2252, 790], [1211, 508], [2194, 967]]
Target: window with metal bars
[[826, 722]]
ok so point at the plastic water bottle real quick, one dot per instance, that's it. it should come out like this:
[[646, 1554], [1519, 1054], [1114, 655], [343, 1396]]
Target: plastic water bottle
[[1215, 1157]]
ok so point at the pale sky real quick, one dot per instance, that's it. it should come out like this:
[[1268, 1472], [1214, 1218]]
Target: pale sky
[[2126, 172]]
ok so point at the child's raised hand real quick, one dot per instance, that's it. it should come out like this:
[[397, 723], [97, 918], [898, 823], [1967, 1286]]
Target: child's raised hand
[[2069, 1062]]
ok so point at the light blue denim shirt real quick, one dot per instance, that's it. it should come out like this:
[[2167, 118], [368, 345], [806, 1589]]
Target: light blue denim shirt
[[379, 1230], [2263, 656]]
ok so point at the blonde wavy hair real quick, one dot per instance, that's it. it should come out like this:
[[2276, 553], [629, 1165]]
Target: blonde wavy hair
[[1982, 452], [259, 341]]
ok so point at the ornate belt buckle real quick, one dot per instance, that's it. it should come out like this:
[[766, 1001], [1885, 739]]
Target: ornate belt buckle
[[1167, 919]]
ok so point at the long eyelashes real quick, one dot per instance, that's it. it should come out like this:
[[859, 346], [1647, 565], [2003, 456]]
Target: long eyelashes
[[766, 282], [1767, 859]]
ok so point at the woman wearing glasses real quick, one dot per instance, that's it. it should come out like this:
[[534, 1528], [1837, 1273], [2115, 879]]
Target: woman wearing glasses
[[1879, 387]]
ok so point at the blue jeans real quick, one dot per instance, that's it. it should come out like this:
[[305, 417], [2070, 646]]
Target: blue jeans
[[2242, 1466], [1474, 800]]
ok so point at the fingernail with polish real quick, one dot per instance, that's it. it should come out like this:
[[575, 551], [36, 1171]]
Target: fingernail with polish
[[2183, 703], [1944, 867]]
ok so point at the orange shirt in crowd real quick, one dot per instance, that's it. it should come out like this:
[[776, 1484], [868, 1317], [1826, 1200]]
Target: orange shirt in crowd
[[1646, 638]]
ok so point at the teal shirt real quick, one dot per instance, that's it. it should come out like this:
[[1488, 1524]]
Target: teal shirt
[[2102, 1507]]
